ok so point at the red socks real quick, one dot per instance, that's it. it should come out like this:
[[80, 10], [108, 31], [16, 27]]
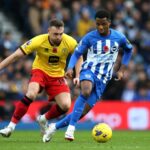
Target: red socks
[[21, 109], [23, 105], [55, 111]]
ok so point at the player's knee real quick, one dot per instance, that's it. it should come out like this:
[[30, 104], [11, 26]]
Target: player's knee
[[65, 107], [31, 94], [86, 93]]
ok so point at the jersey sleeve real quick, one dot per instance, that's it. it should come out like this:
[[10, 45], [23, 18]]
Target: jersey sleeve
[[83, 45], [73, 45], [127, 48], [30, 46], [80, 49]]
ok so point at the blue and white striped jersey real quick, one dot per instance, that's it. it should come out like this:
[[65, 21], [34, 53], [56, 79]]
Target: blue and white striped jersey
[[102, 52]]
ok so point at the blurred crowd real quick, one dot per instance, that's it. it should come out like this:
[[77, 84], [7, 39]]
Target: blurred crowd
[[132, 17]]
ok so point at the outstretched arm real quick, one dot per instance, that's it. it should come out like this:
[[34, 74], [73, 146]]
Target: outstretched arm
[[12, 58]]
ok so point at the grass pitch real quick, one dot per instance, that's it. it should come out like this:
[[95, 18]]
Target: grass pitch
[[121, 140]]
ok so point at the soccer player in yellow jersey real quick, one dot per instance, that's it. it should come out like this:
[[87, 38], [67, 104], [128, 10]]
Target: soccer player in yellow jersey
[[47, 73]]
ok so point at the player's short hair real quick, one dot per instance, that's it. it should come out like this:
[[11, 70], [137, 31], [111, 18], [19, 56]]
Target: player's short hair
[[56, 23], [102, 13]]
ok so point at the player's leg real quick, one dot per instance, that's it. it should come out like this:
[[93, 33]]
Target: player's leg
[[86, 89], [95, 95], [21, 108], [78, 108], [65, 121], [58, 90], [81, 100], [36, 82], [63, 101], [87, 79], [62, 123], [54, 112]]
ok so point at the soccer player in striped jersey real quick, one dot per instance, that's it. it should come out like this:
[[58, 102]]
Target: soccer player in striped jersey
[[47, 73], [102, 46]]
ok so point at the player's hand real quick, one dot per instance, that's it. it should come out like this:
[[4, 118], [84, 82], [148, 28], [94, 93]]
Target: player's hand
[[69, 74], [119, 76], [76, 82]]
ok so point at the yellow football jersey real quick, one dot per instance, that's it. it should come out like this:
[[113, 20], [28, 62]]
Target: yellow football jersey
[[50, 59]]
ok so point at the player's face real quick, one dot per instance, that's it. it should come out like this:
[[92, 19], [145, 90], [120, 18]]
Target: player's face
[[55, 35], [103, 25]]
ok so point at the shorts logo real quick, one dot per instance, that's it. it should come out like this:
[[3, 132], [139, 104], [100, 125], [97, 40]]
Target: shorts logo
[[87, 75]]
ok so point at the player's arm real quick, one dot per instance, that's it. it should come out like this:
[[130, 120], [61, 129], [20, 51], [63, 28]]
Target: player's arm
[[77, 71], [73, 60], [12, 58], [79, 51], [78, 66], [127, 53]]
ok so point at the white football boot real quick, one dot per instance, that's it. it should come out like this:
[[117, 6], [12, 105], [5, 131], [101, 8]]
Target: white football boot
[[6, 132], [69, 135], [43, 123], [49, 133]]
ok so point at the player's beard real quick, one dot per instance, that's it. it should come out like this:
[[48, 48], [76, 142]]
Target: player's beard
[[56, 42]]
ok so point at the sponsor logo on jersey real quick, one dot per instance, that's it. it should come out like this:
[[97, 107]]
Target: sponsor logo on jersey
[[53, 59]]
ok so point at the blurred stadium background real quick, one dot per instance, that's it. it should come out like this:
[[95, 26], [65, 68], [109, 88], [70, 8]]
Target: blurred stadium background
[[125, 105]]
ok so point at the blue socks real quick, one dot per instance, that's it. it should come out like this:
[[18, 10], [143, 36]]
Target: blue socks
[[63, 122], [78, 109], [73, 117]]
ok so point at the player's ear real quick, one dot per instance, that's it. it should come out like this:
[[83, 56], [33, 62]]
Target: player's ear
[[49, 30]]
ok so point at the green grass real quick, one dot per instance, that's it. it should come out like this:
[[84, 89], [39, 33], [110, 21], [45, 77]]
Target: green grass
[[121, 140]]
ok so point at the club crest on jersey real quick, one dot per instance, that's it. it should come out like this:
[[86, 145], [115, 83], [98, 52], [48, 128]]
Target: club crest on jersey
[[64, 50], [114, 48]]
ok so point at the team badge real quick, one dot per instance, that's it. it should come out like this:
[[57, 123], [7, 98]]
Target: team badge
[[64, 50], [114, 48]]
